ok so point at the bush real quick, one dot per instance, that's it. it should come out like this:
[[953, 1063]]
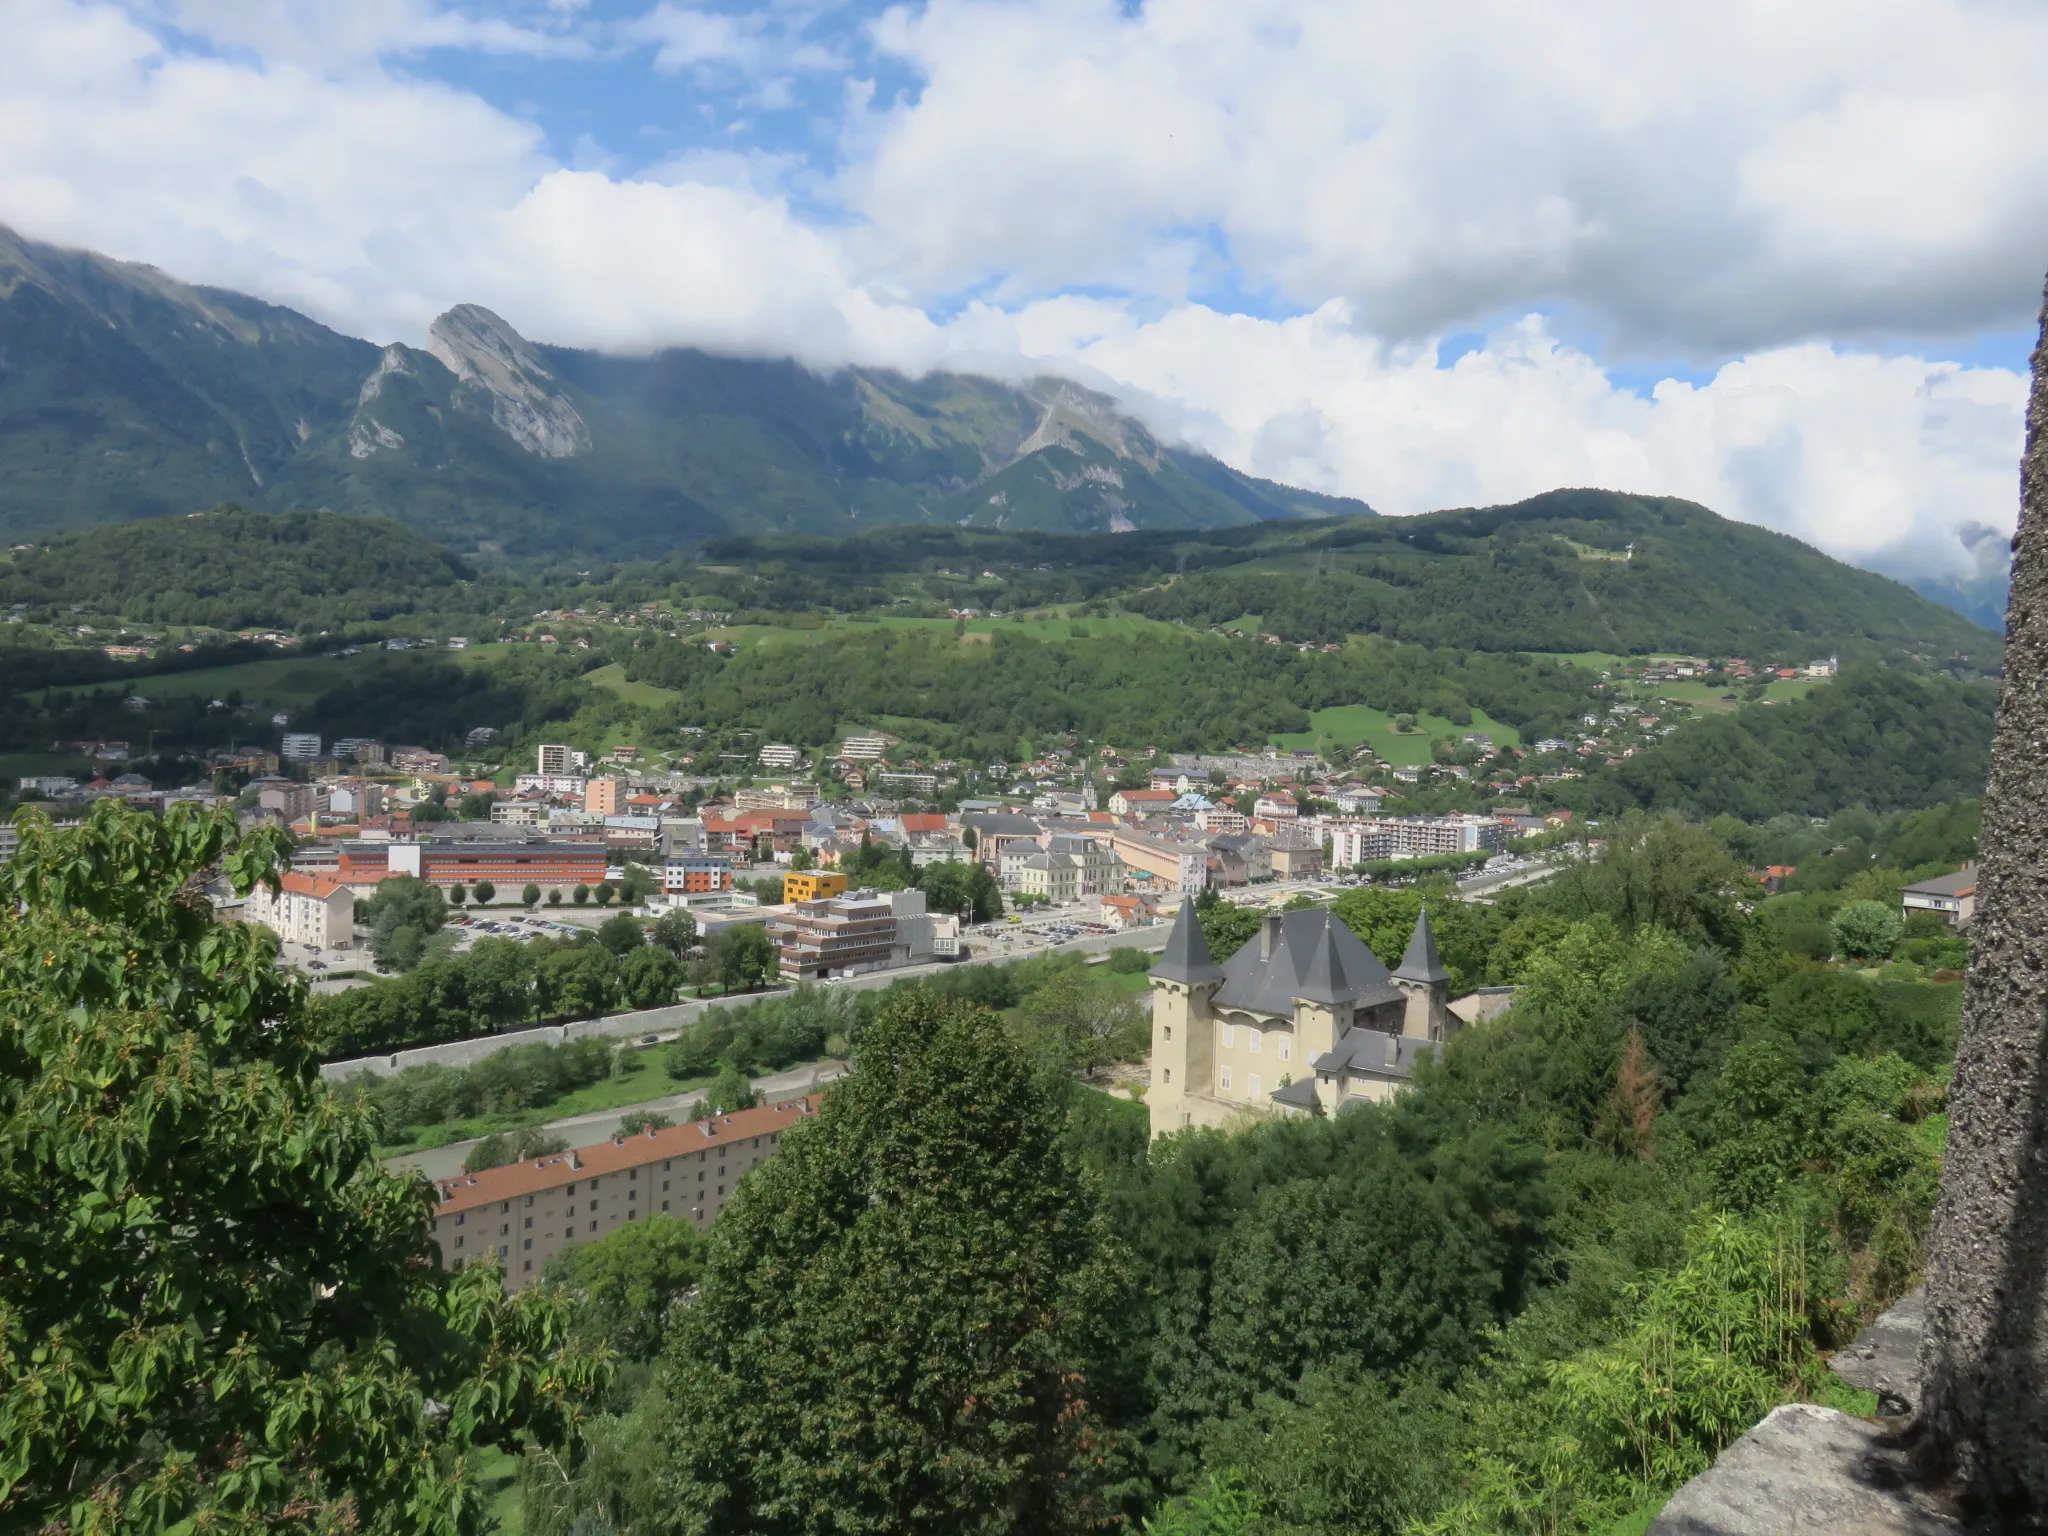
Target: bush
[[1867, 930], [500, 1148], [1129, 961]]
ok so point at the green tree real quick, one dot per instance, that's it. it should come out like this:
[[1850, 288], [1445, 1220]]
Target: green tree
[[804, 1396], [581, 895], [217, 1311], [402, 902], [644, 1120], [625, 1284], [742, 955], [605, 892], [486, 893], [476, 807], [650, 977], [555, 896], [457, 894], [530, 897], [621, 934], [502, 1147], [676, 931], [729, 1091], [1867, 930]]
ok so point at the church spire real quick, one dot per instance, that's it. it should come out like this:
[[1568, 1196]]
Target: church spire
[[1421, 962], [1186, 956]]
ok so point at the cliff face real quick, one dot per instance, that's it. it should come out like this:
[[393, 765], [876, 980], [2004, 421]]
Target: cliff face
[[501, 372]]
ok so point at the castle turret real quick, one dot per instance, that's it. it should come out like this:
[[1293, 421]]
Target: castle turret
[[1426, 984], [1183, 982]]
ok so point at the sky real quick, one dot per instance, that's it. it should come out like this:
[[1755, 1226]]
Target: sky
[[1783, 257]]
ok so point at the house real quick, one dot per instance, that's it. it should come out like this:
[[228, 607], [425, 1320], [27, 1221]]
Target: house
[[526, 1212], [1121, 912], [1303, 1019], [1951, 897], [304, 909], [1222, 818], [1277, 805], [1141, 802], [1296, 860]]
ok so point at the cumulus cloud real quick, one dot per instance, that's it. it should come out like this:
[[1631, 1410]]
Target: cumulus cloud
[[1071, 183]]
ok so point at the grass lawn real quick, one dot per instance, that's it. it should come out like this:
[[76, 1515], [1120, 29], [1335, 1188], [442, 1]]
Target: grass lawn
[[612, 678], [498, 1480], [1347, 725], [1709, 695], [648, 1080], [1592, 661], [287, 680]]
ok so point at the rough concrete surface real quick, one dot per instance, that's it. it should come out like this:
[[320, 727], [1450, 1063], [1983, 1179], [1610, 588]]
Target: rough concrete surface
[[1984, 1360], [1885, 1358], [1804, 1469]]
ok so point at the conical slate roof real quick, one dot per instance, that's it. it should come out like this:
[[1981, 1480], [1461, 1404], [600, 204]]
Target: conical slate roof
[[1186, 956], [1322, 979], [1421, 962]]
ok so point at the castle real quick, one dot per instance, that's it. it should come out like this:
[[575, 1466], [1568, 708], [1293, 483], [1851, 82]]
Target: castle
[[1302, 1019]]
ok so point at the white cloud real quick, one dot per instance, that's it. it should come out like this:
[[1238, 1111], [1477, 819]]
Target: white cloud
[[1704, 178], [1745, 181]]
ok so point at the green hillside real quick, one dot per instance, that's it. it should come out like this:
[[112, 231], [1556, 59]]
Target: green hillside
[[127, 394]]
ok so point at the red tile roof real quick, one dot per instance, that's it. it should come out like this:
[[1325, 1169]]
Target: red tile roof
[[466, 1192], [310, 885]]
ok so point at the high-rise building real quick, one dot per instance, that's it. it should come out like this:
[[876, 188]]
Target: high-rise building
[[299, 747], [552, 758]]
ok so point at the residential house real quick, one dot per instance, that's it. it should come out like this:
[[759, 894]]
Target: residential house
[[304, 909], [1141, 802], [1950, 897]]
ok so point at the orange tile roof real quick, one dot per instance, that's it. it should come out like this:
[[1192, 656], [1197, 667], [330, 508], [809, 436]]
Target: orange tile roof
[[310, 885], [467, 1191]]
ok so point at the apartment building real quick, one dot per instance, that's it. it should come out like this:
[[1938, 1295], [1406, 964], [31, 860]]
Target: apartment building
[[509, 864], [605, 796], [299, 747], [1354, 842], [1174, 867], [687, 873], [777, 755], [525, 1213], [837, 936], [864, 749], [813, 885], [305, 909], [553, 760], [1425, 836]]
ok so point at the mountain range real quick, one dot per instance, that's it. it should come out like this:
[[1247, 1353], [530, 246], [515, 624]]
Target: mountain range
[[127, 394]]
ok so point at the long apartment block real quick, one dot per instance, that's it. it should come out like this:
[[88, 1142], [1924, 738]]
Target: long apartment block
[[528, 1212]]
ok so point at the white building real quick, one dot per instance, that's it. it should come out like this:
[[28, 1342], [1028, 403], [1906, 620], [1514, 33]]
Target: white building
[[306, 909], [551, 760], [299, 747], [865, 749], [776, 755]]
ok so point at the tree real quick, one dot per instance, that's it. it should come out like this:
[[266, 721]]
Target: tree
[[581, 895], [676, 931], [621, 934], [642, 1120], [476, 807], [555, 896], [605, 892], [729, 1091], [217, 1310], [625, 1284], [650, 977], [502, 1147], [486, 893], [529, 897], [804, 1396], [742, 955], [457, 894], [1867, 930], [402, 902]]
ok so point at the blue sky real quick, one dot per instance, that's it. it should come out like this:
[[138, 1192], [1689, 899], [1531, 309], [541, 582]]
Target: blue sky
[[1423, 255]]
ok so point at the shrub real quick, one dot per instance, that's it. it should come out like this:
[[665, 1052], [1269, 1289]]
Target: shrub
[[1867, 930]]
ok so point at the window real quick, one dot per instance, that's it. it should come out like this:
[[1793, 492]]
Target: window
[[1286, 1049], [1229, 1036], [1169, 1074], [529, 1200], [1226, 1077], [1252, 1037], [458, 1242], [632, 1175], [508, 1204], [459, 1220], [528, 1243], [632, 1194], [1168, 1031], [664, 1169], [664, 1205], [504, 1229], [721, 1191], [700, 1178], [664, 1186], [570, 1190], [1252, 1088], [593, 1226], [528, 1266], [529, 1222]]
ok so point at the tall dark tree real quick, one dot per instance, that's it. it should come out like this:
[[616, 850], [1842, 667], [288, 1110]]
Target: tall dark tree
[[811, 1393]]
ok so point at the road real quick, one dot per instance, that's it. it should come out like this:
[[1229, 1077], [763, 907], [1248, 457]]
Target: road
[[588, 1130]]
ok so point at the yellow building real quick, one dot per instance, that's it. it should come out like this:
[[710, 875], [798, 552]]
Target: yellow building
[[812, 885], [1303, 1018]]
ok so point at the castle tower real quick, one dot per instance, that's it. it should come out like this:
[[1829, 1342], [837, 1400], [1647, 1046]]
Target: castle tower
[[1183, 982], [1422, 978]]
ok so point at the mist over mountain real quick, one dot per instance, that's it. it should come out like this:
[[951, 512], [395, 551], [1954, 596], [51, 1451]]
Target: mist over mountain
[[127, 394]]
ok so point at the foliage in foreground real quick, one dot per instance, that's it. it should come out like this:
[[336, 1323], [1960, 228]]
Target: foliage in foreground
[[214, 1307]]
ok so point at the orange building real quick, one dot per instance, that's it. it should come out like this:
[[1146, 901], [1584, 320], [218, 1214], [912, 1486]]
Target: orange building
[[605, 797], [812, 885]]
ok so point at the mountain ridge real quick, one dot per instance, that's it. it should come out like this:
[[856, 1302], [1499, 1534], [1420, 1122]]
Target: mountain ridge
[[127, 393]]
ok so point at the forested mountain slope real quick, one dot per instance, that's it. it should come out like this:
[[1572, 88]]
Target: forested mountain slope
[[125, 393]]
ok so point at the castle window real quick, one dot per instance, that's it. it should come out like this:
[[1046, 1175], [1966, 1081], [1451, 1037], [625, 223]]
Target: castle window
[[1169, 1031], [1226, 1077], [1252, 1037], [1169, 1074], [1286, 1049], [1252, 1089], [1229, 1035]]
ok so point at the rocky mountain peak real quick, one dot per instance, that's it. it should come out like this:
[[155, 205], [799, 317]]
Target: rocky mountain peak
[[496, 364]]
